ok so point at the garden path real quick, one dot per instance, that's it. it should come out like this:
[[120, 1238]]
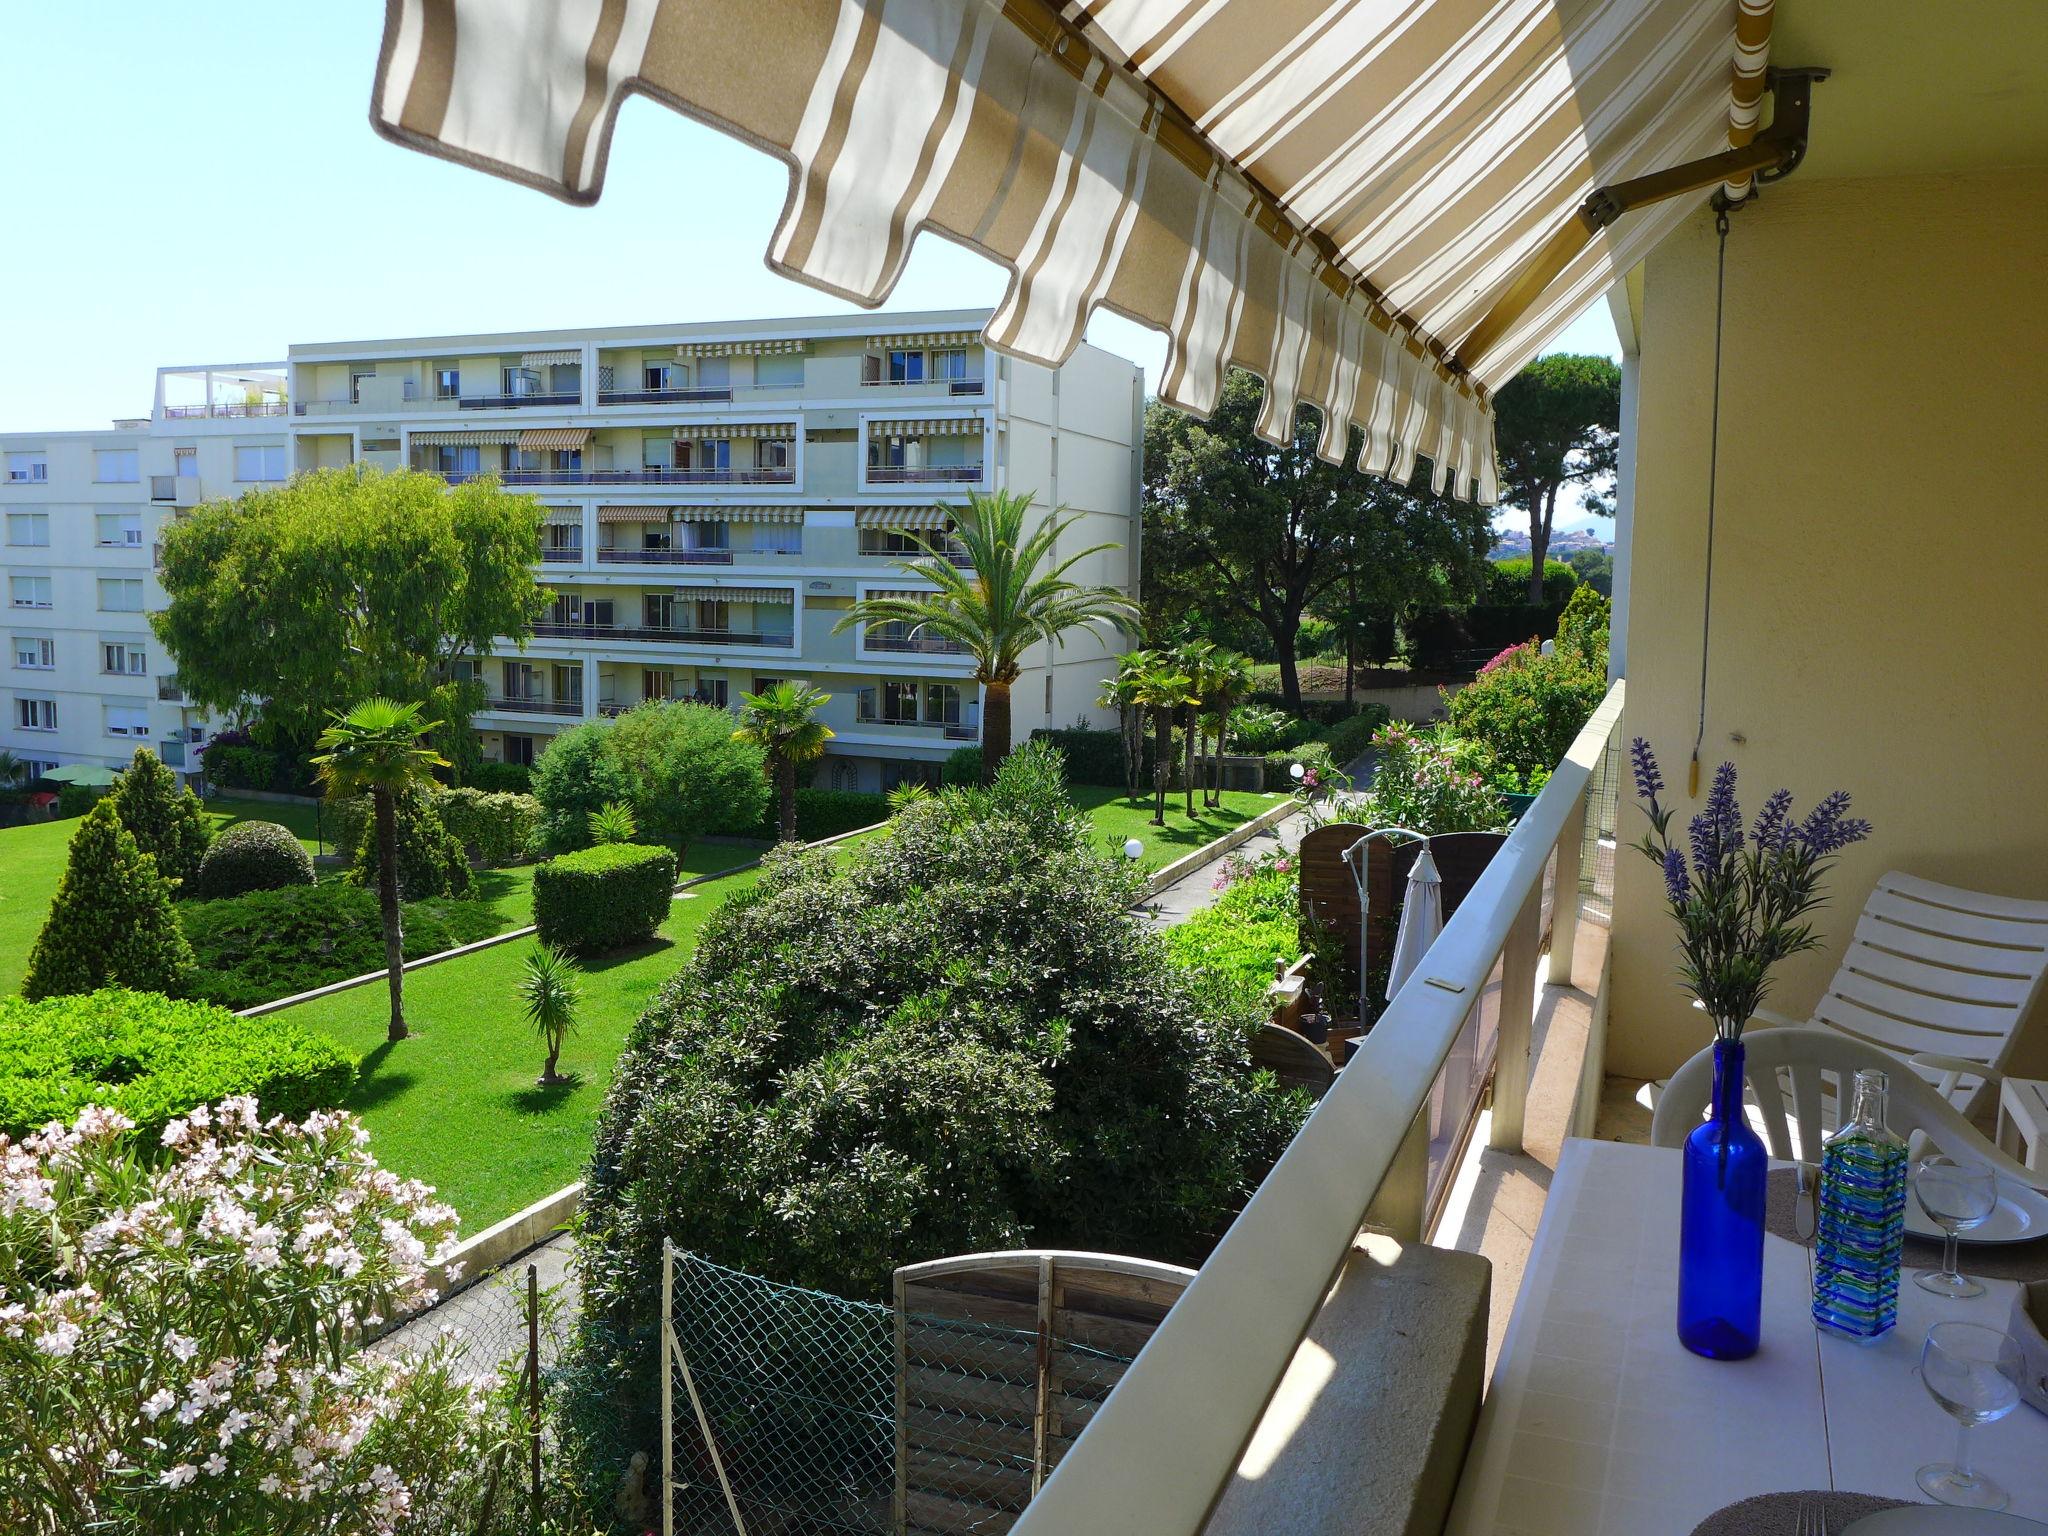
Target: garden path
[[486, 1324]]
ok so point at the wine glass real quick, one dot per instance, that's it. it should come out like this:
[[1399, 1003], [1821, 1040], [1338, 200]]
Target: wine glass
[[1957, 1196], [1974, 1373]]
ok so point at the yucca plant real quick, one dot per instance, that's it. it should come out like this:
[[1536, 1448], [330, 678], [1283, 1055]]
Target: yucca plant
[[549, 991], [613, 822]]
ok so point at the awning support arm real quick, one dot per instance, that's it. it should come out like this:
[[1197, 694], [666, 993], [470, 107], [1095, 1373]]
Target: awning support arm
[[1771, 156]]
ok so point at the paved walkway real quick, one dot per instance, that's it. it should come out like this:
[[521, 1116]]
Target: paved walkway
[[486, 1324]]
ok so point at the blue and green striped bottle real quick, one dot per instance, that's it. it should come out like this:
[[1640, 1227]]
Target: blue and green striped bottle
[[1862, 1227]]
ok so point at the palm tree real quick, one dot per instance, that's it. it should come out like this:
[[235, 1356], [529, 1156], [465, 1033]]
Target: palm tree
[[1163, 690], [782, 721], [12, 769], [1000, 604], [1227, 684], [377, 747], [1192, 657], [1119, 693], [549, 991]]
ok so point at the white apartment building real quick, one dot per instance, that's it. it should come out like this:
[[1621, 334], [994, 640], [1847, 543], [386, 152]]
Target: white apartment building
[[717, 497]]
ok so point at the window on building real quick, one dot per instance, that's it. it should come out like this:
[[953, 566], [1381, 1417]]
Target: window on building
[[568, 683], [355, 383], [447, 383], [127, 720], [564, 538], [895, 775], [780, 370], [186, 462], [35, 714], [27, 468], [116, 466], [519, 749], [123, 657], [29, 591], [519, 381], [888, 452], [714, 372], [773, 453], [949, 364], [707, 535], [35, 653], [456, 459], [120, 530], [120, 596], [260, 463], [905, 367], [778, 538], [656, 377], [462, 670], [522, 680], [713, 453], [713, 615], [28, 529]]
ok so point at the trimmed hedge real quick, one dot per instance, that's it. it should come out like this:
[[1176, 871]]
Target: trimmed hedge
[[430, 861], [252, 856], [1313, 755], [962, 766], [1349, 737], [829, 812], [270, 944], [1093, 757], [229, 766], [494, 827], [502, 778], [153, 1058], [603, 898]]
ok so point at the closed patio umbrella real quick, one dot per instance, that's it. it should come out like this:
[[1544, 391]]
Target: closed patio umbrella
[[1422, 919]]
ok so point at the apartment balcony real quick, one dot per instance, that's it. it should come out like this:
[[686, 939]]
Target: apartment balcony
[[912, 645], [174, 490], [571, 556], [924, 474], [664, 557], [533, 704], [702, 394], [653, 635], [946, 730], [958, 557], [168, 691], [558, 399], [647, 475], [243, 410], [955, 388]]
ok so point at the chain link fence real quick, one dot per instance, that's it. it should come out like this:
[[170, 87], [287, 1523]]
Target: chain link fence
[[794, 1411], [1596, 851]]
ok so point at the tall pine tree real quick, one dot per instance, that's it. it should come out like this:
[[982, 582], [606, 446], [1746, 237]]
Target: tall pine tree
[[112, 924], [164, 817]]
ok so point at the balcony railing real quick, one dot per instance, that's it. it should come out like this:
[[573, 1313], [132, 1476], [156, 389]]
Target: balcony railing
[[918, 645], [923, 474], [168, 691], [1162, 1447], [953, 730], [700, 394], [529, 704], [952, 386], [958, 557], [570, 556], [664, 557], [652, 475], [556, 398], [241, 411], [654, 635]]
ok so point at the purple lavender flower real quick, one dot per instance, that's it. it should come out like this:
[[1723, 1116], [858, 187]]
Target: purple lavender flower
[[1827, 830], [1675, 883], [1773, 829], [1648, 779], [1717, 829]]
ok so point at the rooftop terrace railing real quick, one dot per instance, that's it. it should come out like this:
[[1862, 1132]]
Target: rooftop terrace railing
[[238, 411], [1155, 1457]]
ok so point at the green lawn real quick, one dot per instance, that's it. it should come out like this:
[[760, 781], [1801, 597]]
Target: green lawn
[[1118, 818], [302, 821], [32, 859]]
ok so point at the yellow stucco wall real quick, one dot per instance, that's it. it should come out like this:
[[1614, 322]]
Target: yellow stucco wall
[[1880, 603]]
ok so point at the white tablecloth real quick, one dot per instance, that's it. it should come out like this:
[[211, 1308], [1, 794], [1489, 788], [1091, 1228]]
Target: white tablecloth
[[1598, 1421]]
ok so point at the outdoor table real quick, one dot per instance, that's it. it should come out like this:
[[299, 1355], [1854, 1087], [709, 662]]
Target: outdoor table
[[1598, 1421]]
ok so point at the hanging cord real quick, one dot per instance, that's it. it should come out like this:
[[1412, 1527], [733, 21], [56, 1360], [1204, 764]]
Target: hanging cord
[[1721, 207]]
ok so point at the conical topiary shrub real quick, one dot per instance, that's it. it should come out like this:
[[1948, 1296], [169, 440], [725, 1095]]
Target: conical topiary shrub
[[111, 924], [164, 817]]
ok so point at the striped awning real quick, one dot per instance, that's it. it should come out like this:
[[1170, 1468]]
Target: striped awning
[[563, 517], [765, 431], [554, 437], [926, 339], [1332, 194], [633, 514], [549, 359], [736, 594], [898, 592], [901, 517], [936, 426], [753, 514], [462, 439], [689, 349]]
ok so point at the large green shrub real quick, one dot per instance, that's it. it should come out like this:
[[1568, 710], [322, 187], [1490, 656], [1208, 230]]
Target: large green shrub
[[111, 923], [1314, 756], [603, 898], [1527, 707], [957, 1036], [1256, 729], [152, 1058], [1236, 938], [1582, 629], [1420, 783], [961, 767], [1352, 735], [232, 765], [502, 778], [269, 944], [575, 776], [494, 827], [74, 800], [164, 816], [1507, 583], [687, 776], [430, 860], [253, 856], [824, 813], [1093, 757]]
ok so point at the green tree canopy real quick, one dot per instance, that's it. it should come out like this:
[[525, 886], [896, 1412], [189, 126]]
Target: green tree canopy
[[347, 584], [1556, 423], [1239, 528], [164, 817]]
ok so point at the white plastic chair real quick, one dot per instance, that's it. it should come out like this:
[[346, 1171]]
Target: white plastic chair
[[1941, 977], [1790, 1067]]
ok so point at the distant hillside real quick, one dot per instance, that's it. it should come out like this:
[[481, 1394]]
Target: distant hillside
[[1514, 542]]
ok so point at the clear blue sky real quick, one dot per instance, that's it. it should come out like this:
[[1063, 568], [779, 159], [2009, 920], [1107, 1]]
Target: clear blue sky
[[199, 183]]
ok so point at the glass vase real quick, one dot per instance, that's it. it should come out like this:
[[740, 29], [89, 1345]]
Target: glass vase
[[1721, 1223], [1861, 1232]]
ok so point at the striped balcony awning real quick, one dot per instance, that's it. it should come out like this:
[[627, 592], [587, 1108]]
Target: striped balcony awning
[[689, 349], [749, 514], [926, 339], [550, 359], [463, 439], [764, 431], [1335, 195], [563, 517], [901, 517], [736, 594], [904, 592], [935, 426], [554, 437], [633, 514]]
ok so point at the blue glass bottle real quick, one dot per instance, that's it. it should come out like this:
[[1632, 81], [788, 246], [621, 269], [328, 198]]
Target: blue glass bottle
[[1721, 1223], [1861, 1233]]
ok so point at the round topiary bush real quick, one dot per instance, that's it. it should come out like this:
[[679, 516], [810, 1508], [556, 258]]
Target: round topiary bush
[[253, 856]]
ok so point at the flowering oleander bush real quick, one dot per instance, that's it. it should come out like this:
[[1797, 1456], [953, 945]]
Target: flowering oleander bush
[[1526, 708], [1740, 903], [177, 1327], [1420, 784]]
